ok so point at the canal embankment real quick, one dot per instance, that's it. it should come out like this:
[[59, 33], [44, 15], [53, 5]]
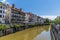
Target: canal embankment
[[30, 34], [5, 31]]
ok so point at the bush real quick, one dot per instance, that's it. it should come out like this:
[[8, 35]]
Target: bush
[[17, 25], [32, 25], [2, 27]]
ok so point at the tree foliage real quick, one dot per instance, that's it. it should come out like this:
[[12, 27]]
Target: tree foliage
[[47, 21], [57, 20]]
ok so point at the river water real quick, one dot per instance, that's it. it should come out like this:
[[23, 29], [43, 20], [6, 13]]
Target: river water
[[36, 33]]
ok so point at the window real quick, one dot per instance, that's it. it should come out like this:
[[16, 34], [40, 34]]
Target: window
[[3, 12], [3, 7], [0, 6], [0, 22], [0, 16], [0, 11], [3, 16]]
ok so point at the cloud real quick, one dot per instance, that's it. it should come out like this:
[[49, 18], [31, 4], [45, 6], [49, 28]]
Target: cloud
[[3, 1], [49, 17]]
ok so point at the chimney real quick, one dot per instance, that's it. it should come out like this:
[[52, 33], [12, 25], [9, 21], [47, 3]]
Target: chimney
[[13, 5], [20, 9]]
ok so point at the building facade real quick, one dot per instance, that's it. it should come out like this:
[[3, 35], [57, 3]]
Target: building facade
[[10, 14], [40, 20], [17, 16], [30, 18], [2, 12]]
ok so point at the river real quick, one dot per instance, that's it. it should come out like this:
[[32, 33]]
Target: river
[[36, 33]]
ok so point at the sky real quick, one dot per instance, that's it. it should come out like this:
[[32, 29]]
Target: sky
[[49, 17], [42, 8]]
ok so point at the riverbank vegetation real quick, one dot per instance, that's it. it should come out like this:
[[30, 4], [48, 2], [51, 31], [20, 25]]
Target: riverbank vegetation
[[3, 26], [56, 20]]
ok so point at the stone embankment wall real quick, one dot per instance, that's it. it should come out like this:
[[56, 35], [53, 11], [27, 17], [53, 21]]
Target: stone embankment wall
[[13, 30]]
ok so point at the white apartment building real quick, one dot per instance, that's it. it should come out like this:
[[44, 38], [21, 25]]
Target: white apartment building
[[5, 13], [8, 13], [35, 19], [2, 12], [27, 18], [41, 20], [30, 18]]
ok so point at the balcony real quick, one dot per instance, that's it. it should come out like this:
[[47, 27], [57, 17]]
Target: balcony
[[17, 15], [17, 21]]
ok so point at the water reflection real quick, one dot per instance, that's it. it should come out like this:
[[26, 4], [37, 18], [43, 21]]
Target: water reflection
[[36, 33], [44, 35]]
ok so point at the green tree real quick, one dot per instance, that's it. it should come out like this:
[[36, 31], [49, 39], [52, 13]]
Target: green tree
[[57, 19], [47, 21]]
